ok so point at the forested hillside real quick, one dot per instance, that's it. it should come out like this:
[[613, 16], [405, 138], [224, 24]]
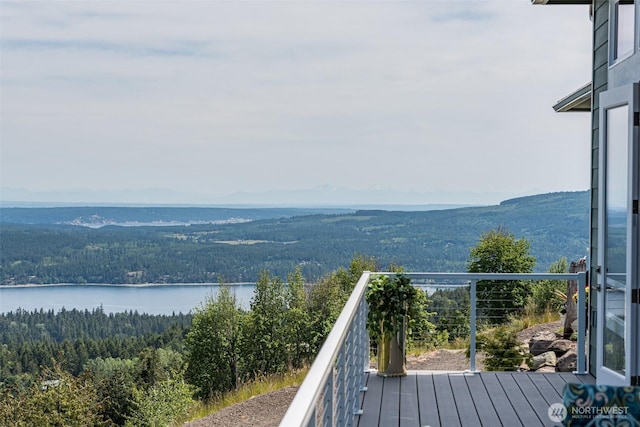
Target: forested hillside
[[557, 225]]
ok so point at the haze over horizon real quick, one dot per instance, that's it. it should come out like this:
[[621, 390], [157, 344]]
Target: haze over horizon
[[318, 197], [290, 102]]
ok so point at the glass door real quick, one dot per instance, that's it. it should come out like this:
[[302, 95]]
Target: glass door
[[618, 237]]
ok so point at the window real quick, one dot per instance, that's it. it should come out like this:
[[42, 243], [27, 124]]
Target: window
[[622, 29]]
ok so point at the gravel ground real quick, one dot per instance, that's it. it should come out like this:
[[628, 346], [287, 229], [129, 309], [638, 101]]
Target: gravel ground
[[265, 410]]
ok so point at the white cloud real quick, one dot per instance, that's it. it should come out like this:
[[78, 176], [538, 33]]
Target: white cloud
[[261, 96]]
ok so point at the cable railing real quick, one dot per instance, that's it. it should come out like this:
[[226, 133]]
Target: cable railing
[[330, 394]]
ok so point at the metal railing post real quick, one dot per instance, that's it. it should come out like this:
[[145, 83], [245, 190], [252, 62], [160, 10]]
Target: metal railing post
[[340, 388], [581, 366], [367, 341], [361, 333], [327, 409], [472, 327]]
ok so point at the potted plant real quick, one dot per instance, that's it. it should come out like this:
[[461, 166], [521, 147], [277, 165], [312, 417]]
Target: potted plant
[[392, 304]]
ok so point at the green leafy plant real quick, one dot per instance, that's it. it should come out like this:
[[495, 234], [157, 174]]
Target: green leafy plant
[[393, 304], [390, 300]]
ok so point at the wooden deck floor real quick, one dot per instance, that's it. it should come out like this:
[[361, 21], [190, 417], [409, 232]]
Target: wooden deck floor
[[446, 399]]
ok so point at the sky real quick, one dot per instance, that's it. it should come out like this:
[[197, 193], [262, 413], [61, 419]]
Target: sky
[[282, 101]]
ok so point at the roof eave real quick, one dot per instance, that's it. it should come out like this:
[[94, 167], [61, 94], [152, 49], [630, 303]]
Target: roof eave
[[577, 101]]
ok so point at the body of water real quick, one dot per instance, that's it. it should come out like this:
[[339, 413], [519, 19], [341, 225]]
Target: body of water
[[151, 299]]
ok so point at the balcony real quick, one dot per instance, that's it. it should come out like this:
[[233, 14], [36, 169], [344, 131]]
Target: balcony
[[341, 389]]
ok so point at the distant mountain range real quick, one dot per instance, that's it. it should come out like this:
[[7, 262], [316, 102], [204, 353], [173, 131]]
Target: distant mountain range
[[312, 197]]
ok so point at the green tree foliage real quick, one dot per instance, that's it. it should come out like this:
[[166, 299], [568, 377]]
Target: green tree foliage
[[162, 404], [421, 329], [297, 321], [504, 352], [265, 336], [327, 297], [212, 345], [117, 392], [284, 329], [545, 293], [73, 337], [55, 398], [498, 251], [115, 381], [451, 312]]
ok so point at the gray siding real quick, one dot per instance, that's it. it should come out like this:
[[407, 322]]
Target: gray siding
[[600, 71]]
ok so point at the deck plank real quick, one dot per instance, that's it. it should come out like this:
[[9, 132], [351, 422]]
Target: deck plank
[[390, 405], [486, 411], [464, 402], [585, 379], [427, 404], [499, 399], [546, 389], [371, 402], [556, 381], [519, 401], [409, 413], [445, 401], [534, 397]]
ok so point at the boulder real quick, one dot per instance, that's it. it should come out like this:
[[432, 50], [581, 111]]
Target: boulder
[[541, 341], [568, 362], [545, 359], [546, 369], [560, 347]]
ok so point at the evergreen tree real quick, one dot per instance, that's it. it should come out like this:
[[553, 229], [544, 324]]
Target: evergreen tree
[[55, 398]]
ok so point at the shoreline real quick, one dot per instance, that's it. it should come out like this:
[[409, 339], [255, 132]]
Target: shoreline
[[122, 285]]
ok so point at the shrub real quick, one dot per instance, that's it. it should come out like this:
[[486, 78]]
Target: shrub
[[503, 350]]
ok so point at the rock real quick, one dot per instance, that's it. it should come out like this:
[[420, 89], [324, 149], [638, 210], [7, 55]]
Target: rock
[[560, 347], [545, 359], [546, 369], [568, 362], [541, 341]]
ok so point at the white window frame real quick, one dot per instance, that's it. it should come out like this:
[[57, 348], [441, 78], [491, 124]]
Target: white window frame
[[614, 58]]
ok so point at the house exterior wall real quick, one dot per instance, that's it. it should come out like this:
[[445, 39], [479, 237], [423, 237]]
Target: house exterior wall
[[600, 63]]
